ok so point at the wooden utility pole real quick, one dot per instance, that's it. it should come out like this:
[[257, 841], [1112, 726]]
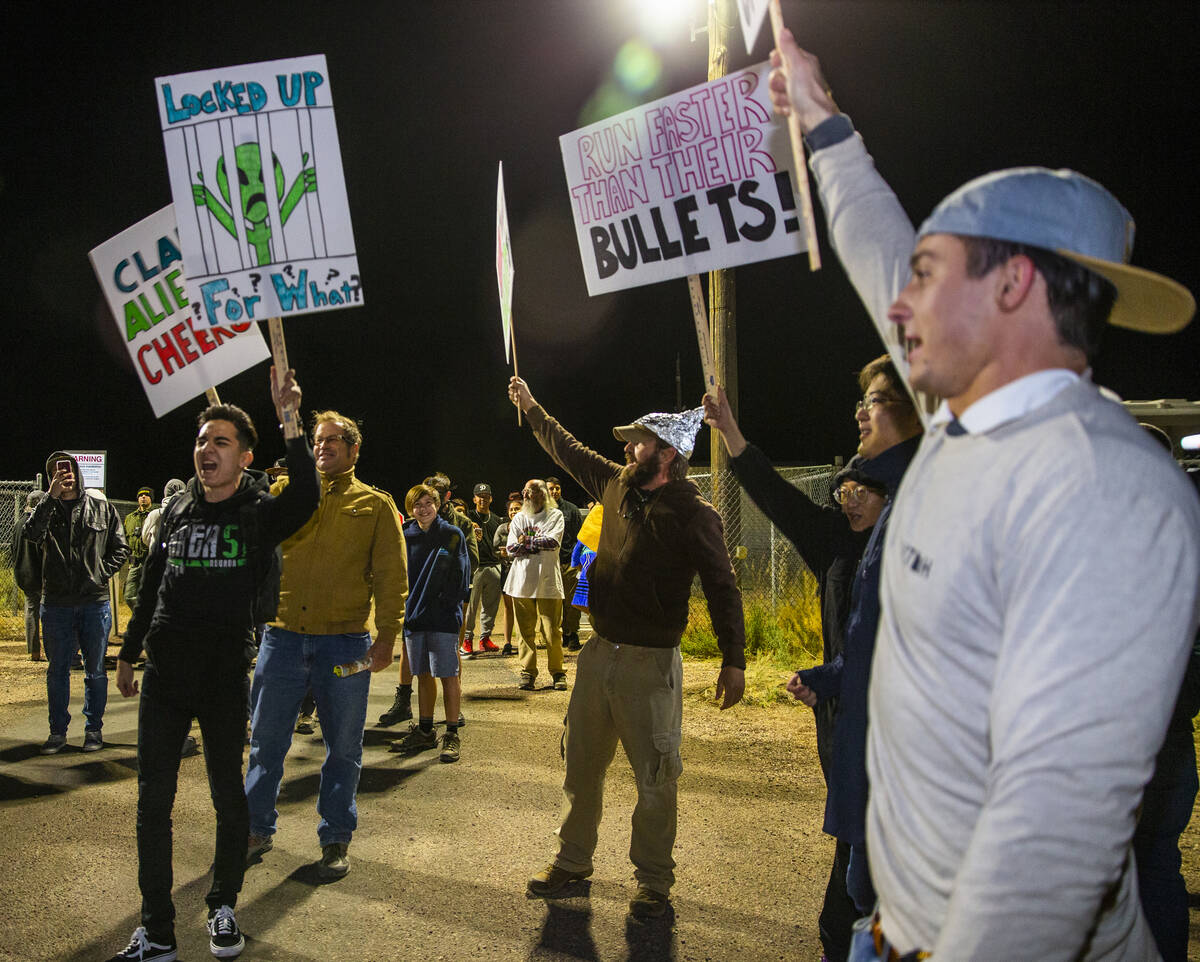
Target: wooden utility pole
[[722, 18]]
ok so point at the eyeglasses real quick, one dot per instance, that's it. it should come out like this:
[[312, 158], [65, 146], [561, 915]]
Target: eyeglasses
[[856, 495], [329, 439], [870, 400]]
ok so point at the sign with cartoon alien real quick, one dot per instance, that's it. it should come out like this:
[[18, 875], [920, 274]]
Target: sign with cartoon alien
[[256, 174], [176, 355]]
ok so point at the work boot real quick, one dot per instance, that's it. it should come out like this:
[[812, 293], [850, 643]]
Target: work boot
[[334, 861], [648, 904], [415, 741], [551, 880], [401, 709]]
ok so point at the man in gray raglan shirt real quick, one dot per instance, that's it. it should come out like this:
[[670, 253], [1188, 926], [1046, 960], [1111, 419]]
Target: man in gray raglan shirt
[[1041, 564]]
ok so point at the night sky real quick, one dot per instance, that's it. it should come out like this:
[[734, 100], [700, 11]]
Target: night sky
[[430, 95]]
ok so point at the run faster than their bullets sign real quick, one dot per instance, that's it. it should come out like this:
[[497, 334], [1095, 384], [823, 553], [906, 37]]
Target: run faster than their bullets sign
[[693, 182], [260, 195]]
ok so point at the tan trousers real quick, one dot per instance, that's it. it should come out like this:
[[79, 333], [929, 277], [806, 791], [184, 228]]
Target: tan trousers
[[635, 695], [529, 612]]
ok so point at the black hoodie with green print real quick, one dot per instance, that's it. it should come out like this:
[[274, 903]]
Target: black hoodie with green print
[[202, 577]]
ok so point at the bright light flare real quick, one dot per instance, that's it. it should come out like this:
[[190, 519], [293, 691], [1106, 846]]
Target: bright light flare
[[664, 22], [1190, 443]]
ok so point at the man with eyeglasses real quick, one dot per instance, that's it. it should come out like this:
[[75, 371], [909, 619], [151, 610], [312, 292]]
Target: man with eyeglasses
[[658, 534], [1043, 556], [350, 553], [831, 543]]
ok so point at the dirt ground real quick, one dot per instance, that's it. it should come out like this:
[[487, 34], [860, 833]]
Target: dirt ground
[[442, 852]]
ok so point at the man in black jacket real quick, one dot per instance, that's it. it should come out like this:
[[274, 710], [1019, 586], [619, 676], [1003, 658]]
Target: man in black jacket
[[82, 546], [212, 574], [27, 571]]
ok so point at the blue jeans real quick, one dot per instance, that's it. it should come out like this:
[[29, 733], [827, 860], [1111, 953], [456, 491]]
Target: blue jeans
[[290, 664], [1166, 810], [862, 945], [66, 629], [858, 879]]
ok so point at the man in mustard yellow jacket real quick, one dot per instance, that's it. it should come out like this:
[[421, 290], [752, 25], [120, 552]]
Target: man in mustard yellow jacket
[[350, 552]]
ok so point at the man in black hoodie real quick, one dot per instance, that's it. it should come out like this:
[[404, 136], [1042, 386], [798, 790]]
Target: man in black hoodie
[[82, 545], [211, 576]]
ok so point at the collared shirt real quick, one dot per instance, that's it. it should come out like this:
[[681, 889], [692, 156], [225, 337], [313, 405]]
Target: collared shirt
[[1007, 403], [350, 552]]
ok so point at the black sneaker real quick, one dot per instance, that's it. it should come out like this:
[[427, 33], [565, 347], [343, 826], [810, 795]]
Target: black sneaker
[[141, 949], [224, 937], [507, 651], [93, 741], [560, 681], [54, 744], [401, 710]]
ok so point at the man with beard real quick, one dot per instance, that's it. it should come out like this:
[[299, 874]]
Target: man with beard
[[658, 534], [535, 582]]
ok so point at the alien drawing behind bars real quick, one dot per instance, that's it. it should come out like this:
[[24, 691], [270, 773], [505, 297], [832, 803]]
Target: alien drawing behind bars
[[252, 196]]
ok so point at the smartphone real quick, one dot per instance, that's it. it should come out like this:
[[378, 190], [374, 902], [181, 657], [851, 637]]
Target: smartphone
[[63, 465]]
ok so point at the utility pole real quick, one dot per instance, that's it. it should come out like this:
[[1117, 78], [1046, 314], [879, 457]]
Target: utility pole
[[722, 17]]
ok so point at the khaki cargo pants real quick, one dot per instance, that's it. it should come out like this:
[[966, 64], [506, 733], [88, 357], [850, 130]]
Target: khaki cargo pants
[[635, 695]]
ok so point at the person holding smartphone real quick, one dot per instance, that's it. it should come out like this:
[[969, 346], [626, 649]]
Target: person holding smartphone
[[82, 545]]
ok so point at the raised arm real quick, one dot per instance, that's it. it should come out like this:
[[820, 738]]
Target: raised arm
[[593, 471], [869, 230], [817, 533]]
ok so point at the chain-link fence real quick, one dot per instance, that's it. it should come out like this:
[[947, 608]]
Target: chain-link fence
[[12, 506], [783, 610]]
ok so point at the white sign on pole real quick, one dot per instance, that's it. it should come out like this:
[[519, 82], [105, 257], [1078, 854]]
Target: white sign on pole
[[177, 357], [261, 238], [694, 182], [93, 466], [504, 263], [752, 13]]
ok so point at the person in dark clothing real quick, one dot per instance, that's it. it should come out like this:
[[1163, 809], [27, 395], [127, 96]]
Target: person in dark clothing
[[485, 581], [1166, 810], [211, 575], [82, 546], [27, 572], [831, 543], [572, 520], [439, 579]]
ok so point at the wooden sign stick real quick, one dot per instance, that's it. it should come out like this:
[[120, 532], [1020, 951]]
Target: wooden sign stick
[[291, 423], [212, 395], [703, 337], [806, 208], [512, 333]]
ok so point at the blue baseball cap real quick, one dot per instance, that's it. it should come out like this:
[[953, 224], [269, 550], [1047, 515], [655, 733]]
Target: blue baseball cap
[[1065, 212]]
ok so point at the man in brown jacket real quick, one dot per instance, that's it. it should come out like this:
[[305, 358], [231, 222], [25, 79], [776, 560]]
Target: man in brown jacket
[[658, 534]]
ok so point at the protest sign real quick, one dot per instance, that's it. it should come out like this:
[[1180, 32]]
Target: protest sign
[[504, 262], [177, 357], [694, 182], [279, 243], [752, 13]]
